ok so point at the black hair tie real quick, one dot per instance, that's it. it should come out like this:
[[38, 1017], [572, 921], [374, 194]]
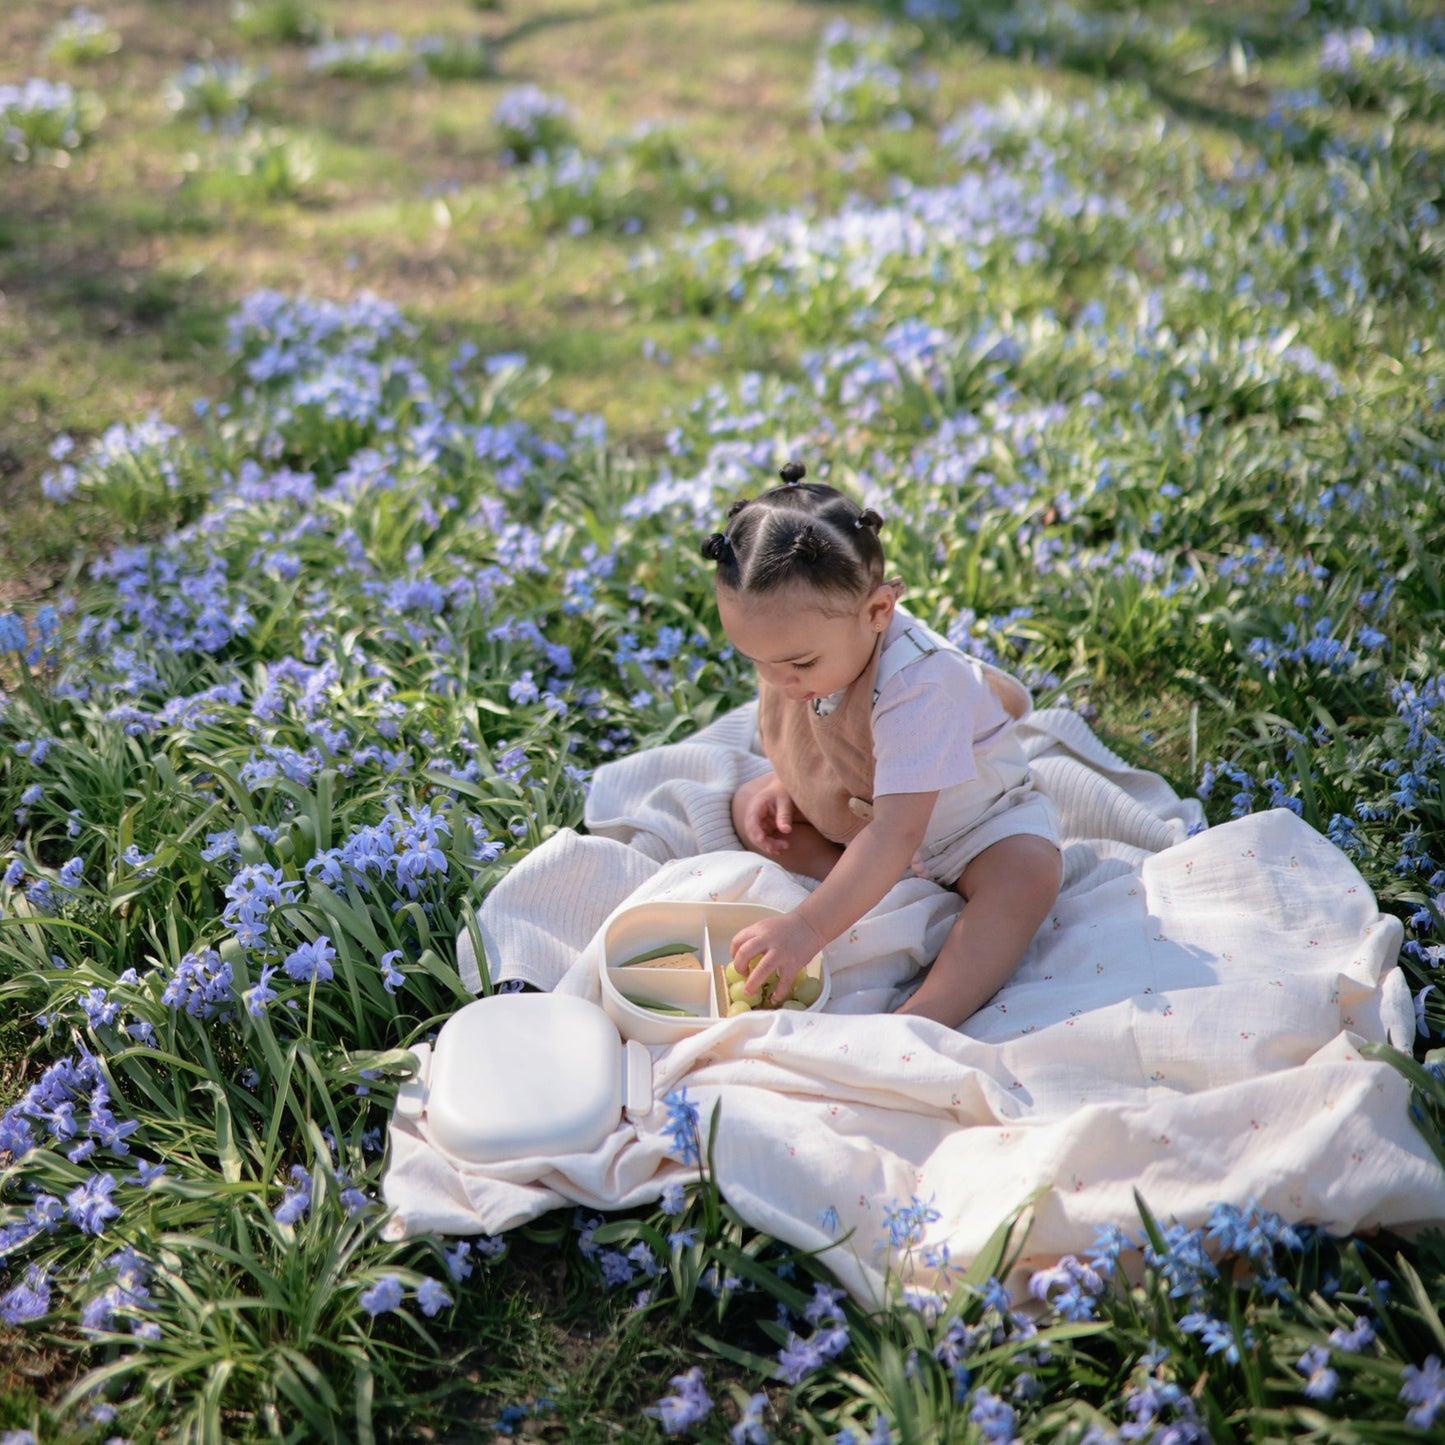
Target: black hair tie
[[793, 473]]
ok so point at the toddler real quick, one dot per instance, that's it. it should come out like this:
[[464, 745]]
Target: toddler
[[890, 749]]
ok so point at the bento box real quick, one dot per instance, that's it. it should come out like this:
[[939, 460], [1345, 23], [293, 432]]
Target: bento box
[[524, 1075], [664, 969]]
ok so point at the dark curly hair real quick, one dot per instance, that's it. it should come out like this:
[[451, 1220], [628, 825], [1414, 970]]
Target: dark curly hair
[[801, 532]]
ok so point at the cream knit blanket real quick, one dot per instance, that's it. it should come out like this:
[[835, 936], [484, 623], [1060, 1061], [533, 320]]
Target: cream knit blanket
[[1188, 1024]]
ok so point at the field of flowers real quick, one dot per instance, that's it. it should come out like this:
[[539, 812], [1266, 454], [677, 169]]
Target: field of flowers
[[1140, 351]]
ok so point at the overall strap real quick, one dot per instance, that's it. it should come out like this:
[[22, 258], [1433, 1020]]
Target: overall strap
[[913, 642]]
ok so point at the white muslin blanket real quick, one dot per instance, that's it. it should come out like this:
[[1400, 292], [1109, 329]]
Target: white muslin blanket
[[1186, 1024]]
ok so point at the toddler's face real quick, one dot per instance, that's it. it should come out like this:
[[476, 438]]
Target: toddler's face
[[806, 644]]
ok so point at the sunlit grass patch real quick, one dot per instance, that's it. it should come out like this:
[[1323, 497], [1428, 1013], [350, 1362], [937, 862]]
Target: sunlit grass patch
[[277, 22], [274, 165], [454, 57], [635, 181]]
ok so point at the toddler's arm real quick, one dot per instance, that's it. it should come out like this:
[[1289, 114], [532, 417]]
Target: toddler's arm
[[871, 864]]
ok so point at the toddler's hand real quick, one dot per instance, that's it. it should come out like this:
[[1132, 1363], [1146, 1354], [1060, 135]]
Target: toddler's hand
[[767, 816], [781, 946]]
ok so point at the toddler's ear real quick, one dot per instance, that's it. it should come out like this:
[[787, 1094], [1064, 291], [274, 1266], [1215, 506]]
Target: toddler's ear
[[881, 603]]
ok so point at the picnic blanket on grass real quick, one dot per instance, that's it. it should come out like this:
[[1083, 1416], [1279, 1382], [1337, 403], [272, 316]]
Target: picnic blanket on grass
[[1187, 1023]]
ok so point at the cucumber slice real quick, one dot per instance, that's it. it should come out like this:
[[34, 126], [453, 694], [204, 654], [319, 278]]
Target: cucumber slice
[[658, 1008], [661, 951]]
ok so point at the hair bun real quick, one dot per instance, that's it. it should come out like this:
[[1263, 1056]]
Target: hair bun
[[715, 546], [869, 518], [793, 473], [809, 546]]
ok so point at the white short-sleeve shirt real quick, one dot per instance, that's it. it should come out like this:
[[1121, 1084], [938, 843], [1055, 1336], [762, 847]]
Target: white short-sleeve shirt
[[929, 718]]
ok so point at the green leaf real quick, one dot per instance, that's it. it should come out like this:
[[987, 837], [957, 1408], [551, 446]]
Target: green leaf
[[226, 1151]]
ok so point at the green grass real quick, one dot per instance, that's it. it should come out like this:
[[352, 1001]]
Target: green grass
[[1209, 483]]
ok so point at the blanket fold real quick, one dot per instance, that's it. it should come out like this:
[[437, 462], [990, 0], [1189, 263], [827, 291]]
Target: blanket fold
[[1187, 1022]]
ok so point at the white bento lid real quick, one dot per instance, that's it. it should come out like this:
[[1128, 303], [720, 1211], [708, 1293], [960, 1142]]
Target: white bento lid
[[514, 1076]]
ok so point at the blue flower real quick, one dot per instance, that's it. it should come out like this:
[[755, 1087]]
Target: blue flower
[[201, 984], [27, 1300], [523, 690], [297, 1198], [261, 993], [1218, 1336], [994, 1417], [689, 1404], [1354, 1339], [89, 1205], [800, 1356], [996, 1296], [905, 1223], [749, 1429], [13, 635], [1070, 1287], [391, 976], [432, 1297], [100, 1008], [419, 850], [1320, 1380], [456, 1261], [1184, 1264], [616, 1268], [385, 1295], [254, 894], [1423, 1387], [683, 1127], [824, 1306], [310, 961], [511, 1417], [1109, 1243]]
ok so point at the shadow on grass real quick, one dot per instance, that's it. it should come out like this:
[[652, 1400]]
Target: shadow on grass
[[1266, 33], [556, 20], [87, 309]]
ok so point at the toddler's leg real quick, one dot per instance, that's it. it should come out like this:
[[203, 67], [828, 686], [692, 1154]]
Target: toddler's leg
[[807, 852], [1009, 889]]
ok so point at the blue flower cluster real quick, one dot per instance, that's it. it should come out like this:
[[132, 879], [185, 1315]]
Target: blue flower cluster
[[529, 120], [81, 37], [218, 92], [40, 118], [865, 76]]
